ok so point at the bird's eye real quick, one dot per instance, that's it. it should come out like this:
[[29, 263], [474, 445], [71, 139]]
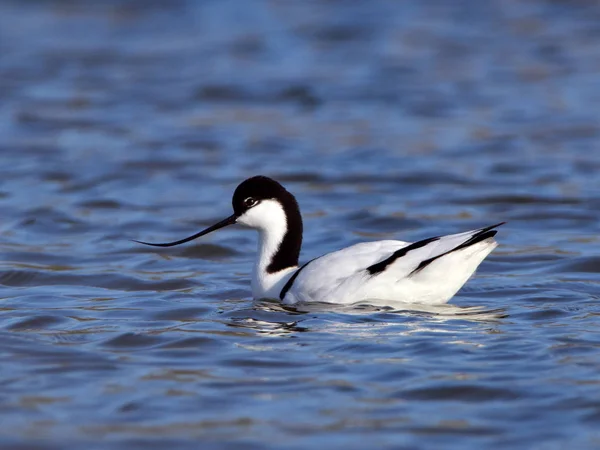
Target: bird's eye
[[250, 202]]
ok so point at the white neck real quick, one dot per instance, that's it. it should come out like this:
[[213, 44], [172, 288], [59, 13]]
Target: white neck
[[269, 219], [265, 284]]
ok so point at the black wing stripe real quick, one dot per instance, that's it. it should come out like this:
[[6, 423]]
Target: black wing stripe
[[480, 235], [290, 282], [382, 265]]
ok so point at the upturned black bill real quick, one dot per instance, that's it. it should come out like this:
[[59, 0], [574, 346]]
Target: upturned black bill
[[229, 221]]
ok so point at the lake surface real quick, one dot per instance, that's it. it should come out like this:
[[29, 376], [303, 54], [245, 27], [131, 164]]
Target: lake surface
[[388, 120]]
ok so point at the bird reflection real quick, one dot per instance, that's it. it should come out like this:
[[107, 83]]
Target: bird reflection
[[271, 318], [264, 327]]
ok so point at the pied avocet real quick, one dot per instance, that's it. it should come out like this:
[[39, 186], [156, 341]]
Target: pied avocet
[[429, 271]]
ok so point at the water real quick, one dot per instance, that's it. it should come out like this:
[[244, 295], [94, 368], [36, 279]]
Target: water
[[136, 120]]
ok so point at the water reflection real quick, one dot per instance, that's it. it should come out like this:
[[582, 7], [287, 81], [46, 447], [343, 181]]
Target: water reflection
[[271, 318]]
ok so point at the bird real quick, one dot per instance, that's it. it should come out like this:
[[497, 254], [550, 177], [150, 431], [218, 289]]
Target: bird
[[389, 272]]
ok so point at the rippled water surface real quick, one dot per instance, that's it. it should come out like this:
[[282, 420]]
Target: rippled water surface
[[388, 120]]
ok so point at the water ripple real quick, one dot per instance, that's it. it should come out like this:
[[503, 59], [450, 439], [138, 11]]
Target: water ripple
[[123, 121]]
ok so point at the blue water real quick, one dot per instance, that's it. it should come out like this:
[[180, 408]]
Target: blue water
[[387, 120]]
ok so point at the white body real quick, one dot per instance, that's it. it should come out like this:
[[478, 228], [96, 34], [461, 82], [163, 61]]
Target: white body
[[341, 277]]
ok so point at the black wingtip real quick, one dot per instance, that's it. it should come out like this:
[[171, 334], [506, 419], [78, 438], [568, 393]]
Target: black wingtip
[[491, 227], [481, 235]]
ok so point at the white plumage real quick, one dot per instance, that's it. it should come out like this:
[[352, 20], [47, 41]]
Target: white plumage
[[387, 272], [340, 277]]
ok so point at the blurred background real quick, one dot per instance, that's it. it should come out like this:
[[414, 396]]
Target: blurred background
[[132, 119]]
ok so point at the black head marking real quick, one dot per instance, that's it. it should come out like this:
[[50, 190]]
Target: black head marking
[[252, 191], [259, 188]]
